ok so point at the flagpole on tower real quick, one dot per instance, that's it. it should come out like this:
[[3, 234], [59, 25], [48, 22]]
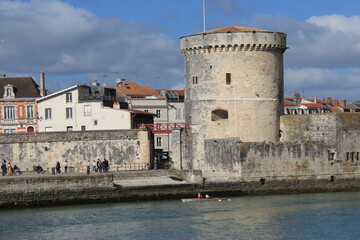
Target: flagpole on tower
[[204, 20]]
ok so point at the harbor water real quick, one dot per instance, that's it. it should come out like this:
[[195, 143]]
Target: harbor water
[[303, 216]]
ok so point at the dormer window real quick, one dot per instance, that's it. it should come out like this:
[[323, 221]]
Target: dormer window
[[9, 91]]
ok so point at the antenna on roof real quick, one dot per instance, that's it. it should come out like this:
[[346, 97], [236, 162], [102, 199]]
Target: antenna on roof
[[204, 19]]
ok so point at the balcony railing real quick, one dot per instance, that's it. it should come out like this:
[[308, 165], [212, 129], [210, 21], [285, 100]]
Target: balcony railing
[[96, 97], [15, 121]]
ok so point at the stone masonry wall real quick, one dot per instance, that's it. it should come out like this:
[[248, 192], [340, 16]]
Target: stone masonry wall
[[233, 160], [119, 147]]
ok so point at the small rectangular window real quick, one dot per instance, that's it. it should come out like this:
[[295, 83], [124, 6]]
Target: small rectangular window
[[95, 122], [228, 78], [87, 110], [69, 114], [68, 97], [146, 110], [83, 128], [178, 113], [48, 129], [9, 112], [47, 113], [195, 80], [69, 128], [158, 141], [158, 113], [29, 112]]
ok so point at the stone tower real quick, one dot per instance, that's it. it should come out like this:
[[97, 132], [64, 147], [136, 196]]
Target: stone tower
[[233, 86]]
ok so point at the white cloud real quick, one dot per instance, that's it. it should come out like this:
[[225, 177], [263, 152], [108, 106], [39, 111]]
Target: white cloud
[[55, 37], [322, 82], [326, 41]]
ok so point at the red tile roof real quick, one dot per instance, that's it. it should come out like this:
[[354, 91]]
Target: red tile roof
[[314, 105], [234, 29], [133, 89]]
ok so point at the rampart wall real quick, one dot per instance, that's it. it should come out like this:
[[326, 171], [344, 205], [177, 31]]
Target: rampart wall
[[312, 146], [119, 147]]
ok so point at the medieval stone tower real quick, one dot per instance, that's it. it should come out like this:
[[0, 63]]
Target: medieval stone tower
[[233, 87]]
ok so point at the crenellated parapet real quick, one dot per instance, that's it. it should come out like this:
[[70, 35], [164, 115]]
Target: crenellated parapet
[[233, 48]]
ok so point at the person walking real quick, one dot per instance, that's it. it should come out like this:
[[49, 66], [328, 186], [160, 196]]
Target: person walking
[[88, 167], [4, 168], [94, 166], [58, 167], [66, 166], [10, 170]]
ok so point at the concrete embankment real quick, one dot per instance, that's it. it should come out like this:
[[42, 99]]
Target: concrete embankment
[[49, 190]]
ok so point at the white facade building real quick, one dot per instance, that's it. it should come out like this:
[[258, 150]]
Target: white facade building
[[81, 108]]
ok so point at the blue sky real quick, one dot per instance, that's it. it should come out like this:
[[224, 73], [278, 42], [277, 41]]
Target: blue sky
[[78, 41]]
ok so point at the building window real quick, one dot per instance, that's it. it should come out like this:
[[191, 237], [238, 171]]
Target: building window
[[9, 130], [47, 113], [48, 129], [83, 128], [95, 122], [219, 114], [8, 92], [178, 113], [68, 97], [146, 110], [158, 141], [30, 112], [69, 128], [69, 114], [9, 112], [228, 78], [87, 110], [195, 80], [158, 113]]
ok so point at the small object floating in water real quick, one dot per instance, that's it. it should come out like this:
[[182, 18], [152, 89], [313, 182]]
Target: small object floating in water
[[184, 200]]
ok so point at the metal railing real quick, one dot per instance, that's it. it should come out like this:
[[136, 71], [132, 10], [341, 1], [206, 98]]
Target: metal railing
[[162, 127], [96, 97], [12, 121], [113, 167]]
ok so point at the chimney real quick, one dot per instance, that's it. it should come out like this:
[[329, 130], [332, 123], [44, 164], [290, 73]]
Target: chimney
[[42, 84], [342, 103], [297, 99], [116, 105], [95, 83], [315, 99]]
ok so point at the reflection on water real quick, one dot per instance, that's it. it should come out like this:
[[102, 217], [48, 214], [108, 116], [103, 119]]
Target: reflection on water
[[307, 216]]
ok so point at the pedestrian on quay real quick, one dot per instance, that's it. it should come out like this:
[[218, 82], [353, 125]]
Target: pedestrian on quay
[[10, 170], [4, 168], [106, 165], [94, 166], [98, 165], [66, 166], [88, 167], [58, 167]]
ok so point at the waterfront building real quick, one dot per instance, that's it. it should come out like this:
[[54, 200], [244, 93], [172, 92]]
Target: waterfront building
[[18, 109], [300, 105], [87, 107], [146, 99]]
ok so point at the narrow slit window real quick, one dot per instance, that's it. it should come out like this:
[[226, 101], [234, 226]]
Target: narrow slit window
[[228, 78]]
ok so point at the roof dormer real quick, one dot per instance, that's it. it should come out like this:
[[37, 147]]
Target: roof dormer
[[9, 91]]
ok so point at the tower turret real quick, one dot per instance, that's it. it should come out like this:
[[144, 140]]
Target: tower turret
[[233, 86]]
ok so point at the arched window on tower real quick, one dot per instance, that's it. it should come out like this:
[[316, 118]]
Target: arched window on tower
[[219, 114]]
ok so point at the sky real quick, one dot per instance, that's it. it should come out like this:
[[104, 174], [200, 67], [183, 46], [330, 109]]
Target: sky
[[79, 41]]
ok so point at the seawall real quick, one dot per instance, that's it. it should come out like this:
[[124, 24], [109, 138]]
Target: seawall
[[49, 190]]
